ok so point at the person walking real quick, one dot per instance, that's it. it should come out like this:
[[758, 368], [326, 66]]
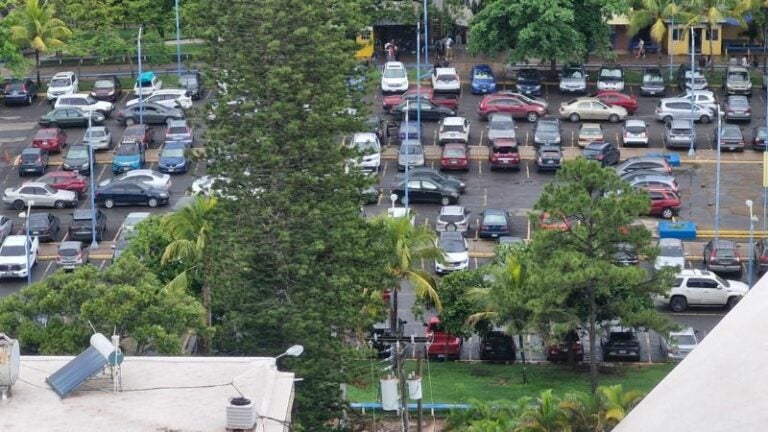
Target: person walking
[[744, 61], [640, 48], [448, 48]]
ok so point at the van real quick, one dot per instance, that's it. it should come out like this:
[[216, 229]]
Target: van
[[679, 133]]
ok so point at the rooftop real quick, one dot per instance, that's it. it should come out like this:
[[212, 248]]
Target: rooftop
[[158, 394]]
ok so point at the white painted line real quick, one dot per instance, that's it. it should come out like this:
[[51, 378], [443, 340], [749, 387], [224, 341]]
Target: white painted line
[[527, 171], [47, 269], [384, 170], [480, 167], [12, 140], [10, 117], [101, 266], [17, 126]]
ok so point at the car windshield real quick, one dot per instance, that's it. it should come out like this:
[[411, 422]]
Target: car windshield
[[103, 84], [452, 245], [734, 133], [394, 73], [451, 218], [671, 251], [454, 153], [177, 130], [723, 282], [528, 76], [550, 154], [591, 151], [738, 76], [78, 153], [653, 78], [453, 128], [494, 219], [501, 124], [46, 133], [573, 73], [738, 103], [635, 129], [173, 152], [684, 131], [610, 74], [591, 130], [128, 149], [411, 149], [29, 157], [98, 133], [16, 86], [762, 132], [725, 252], [367, 145], [60, 82], [481, 74], [446, 78], [13, 251], [69, 251], [38, 220], [622, 336], [505, 149], [683, 340], [188, 80], [547, 127]]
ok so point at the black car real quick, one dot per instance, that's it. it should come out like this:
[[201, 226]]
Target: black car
[[81, 227], [529, 82], [382, 349], [21, 91], [437, 176], [107, 87], [148, 113], [33, 161], [605, 153], [426, 190], [621, 344], [624, 254], [124, 193], [429, 111], [494, 223], [548, 158], [731, 138], [376, 125], [78, 158], [70, 117], [759, 137], [497, 346], [192, 82], [761, 255], [653, 83], [684, 79], [44, 226], [547, 131]]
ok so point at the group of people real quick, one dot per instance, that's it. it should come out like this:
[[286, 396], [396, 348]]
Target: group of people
[[745, 62], [443, 49]]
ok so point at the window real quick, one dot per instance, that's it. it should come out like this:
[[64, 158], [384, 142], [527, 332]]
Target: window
[[678, 281], [428, 186], [715, 34], [677, 34]]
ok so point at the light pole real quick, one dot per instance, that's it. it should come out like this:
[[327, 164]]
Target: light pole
[[426, 36], [178, 40], [765, 154], [752, 220], [141, 92], [717, 175], [94, 243], [27, 252], [671, 33], [692, 150]]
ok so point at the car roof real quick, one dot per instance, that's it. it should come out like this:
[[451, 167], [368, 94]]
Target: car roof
[[451, 235], [680, 124], [177, 122], [146, 76], [494, 211], [590, 126], [31, 150], [504, 142], [457, 121], [737, 69], [70, 244], [15, 240], [598, 145], [548, 120], [740, 98], [635, 122], [82, 213], [66, 74], [550, 148], [452, 210], [394, 65], [32, 183], [670, 242], [169, 91], [674, 99], [500, 115], [685, 331], [445, 70], [586, 99], [455, 146], [694, 272], [483, 67]]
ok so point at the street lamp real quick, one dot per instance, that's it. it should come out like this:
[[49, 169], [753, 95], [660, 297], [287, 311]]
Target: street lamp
[[94, 243], [293, 351], [25, 216], [692, 150], [671, 33], [178, 40], [141, 103], [752, 220]]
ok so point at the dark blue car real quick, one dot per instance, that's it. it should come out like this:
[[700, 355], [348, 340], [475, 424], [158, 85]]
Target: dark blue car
[[482, 79], [22, 91], [173, 158], [495, 223]]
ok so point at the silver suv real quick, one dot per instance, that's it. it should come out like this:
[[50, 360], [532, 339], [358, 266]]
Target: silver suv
[[737, 81], [679, 133], [669, 109]]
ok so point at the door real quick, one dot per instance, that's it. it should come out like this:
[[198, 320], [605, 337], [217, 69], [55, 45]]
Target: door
[[712, 293], [430, 191], [516, 108], [694, 290], [152, 116], [414, 191], [133, 194]]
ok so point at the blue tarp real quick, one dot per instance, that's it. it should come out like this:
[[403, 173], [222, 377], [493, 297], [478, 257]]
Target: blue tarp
[[146, 77]]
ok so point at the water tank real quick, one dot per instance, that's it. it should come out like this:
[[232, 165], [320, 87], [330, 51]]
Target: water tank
[[241, 414], [9, 360]]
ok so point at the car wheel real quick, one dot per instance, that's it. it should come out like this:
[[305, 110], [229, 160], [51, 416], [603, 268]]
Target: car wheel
[[732, 301], [130, 121], [574, 117], [667, 213], [109, 203], [678, 304], [705, 119], [58, 204], [152, 202], [667, 119], [445, 201], [532, 117], [19, 205], [613, 118]]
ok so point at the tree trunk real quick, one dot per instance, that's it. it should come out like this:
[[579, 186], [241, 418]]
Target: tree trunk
[[553, 65], [712, 65], [522, 356], [592, 339], [205, 342], [37, 67]]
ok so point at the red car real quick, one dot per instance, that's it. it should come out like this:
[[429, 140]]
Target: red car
[[455, 157], [51, 140], [66, 180], [444, 345], [554, 223], [614, 98], [515, 105], [141, 133], [503, 154], [570, 345], [664, 202]]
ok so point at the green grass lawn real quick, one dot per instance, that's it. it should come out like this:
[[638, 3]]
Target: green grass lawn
[[461, 382]]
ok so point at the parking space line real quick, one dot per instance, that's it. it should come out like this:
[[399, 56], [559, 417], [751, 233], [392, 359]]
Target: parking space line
[[573, 139], [528, 233], [480, 167], [384, 170], [617, 140], [485, 197], [101, 266], [426, 221], [42, 100], [526, 139], [47, 269], [434, 138], [432, 164], [126, 94], [378, 201], [527, 170], [101, 173], [476, 264], [482, 131], [477, 230]]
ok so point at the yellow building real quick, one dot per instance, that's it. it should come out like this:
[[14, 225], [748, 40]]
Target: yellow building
[[680, 41]]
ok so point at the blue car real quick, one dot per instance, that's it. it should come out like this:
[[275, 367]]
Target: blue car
[[129, 156], [173, 158], [482, 79]]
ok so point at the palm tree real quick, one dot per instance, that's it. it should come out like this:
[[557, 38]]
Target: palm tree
[[547, 415], [617, 402], [189, 229], [34, 25], [408, 245], [714, 12], [654, 13]]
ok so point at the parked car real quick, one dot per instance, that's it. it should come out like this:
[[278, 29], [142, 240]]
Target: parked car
[[169, 98], [20, 91], [414, 95], [33, 161], [436, 176], [568, 345], [684, 74], [72, 254], [621, 343], [394, 78], [146, 84], [494, 223], [445, 80], [375, 124], [759, 138], [84, 102], [671, 254], [482, 79], [81, 227], [518, 107], [501, 126], [41, 194], [631, 175], [6, 227], [369, 147], [124, 193], [153, 179], [44, 226], [453, 218], [669, 109], [179, 131], [132, 220], [62, 83], [722, 256], [653, 83], [624, 254], [65, 180], [70, 117], [78, 158], [193, 83], [610, 77], [429, 111], [99, 137], [425, 190], [606, 154], [573, 79], [52, 140], [455, 157], [644, 163], [107, 88], [18, 254], [679, 133], [591, 109], [556, 222], [443, 345], [497, 346], [731, 138], [678, 344], [589, 133], [547, 131], [616, 98], [504, 154], [693, 287], [410, 130], [664, 203], [737, 109], [410, 154], [655, 181], [453, 129], [737, 81], [140, 133], [173, 158], [128, 156], [761, 254], [148, 113], [529, 82], [702, 98], [548, 158], [635, 133], [455, 251], [509, 241]]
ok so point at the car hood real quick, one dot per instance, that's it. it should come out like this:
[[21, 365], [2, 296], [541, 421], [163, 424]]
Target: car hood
[[496, 134], [87, 139], [126, 158], [172, 160], [572, 81], [738, 287], [669, 262], [456, 256], [12, 260], [549, 136], [75, 161], [484, 81]]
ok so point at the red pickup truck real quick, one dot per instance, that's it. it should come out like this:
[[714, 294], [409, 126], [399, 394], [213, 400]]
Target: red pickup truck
[[448, 100], [443, 345]]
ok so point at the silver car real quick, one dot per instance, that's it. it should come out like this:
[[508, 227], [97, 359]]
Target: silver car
[[501, 125], [72, 254], [453, 218], [654, 181], [40, 194], [99, 137], [679, 133], [6, 227], [573, 79], [678, 344], [411, 154], [669, 109]]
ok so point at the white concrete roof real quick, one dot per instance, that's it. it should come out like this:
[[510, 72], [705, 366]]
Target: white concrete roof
[[721, 385], [159, 394]]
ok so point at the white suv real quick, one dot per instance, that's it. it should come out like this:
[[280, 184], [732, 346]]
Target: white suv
[[61, 84], [445, 80], [453, 129], [171, 98], [703, 288], [85, 102], [367, 143], [13, 256], [394, 78]]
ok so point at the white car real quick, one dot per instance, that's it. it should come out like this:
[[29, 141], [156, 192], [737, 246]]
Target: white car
[[671, 254], [368, 144], [171, 98], [635, 132], [62, 83], [151, 178], [394, 78], [446, 80], [85, 102], [147, 84], [703, 288], [453, 218], [678, 344], [41, 194], [704, 98], [18, 255], [455, 252], [453, 129], [133, 219], [99, 137]]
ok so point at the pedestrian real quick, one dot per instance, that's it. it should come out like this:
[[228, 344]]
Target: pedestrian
[[448, 48], [702, 62], [439, 50], [744, 61], [709, 61], [640, 48]]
